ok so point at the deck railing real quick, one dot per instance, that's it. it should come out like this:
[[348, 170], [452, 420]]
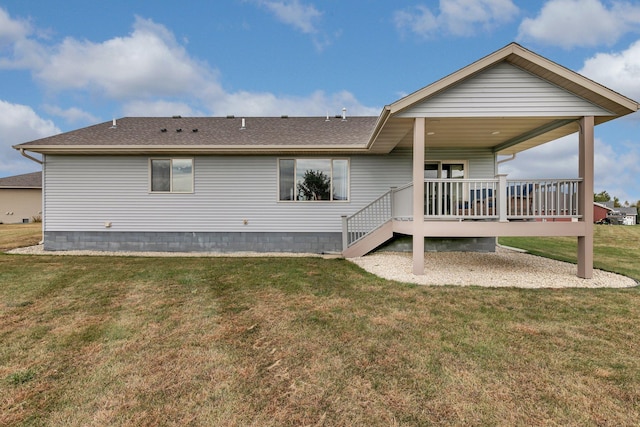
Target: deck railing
[[543, 198], [402, 198], [368, 218], [461, 199]]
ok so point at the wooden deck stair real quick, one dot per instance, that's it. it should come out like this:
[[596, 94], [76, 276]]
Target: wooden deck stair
[[370, 241]]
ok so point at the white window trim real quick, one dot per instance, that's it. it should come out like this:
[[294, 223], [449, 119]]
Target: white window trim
[[193, 174], [331, 159]]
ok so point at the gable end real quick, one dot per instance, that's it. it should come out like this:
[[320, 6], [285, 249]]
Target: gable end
[[504, 90]]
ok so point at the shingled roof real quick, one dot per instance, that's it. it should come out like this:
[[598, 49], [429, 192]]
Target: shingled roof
[[27, 180], [212, 134]]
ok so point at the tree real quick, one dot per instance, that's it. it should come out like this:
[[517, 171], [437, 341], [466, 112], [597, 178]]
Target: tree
[[315, 185], [616, 202], [602, 196]]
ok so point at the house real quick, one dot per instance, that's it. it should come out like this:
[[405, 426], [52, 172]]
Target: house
[[614, 215], [629, 215], [426, 167], [21, 198], [624, 215]]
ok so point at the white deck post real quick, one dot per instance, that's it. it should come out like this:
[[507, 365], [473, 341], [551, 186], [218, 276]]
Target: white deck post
[[345, 234], [585, 197], [502, 197], [418, 195], [393, 205]]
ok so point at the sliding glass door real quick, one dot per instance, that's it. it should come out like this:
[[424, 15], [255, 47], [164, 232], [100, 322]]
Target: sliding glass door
[[443, 198]]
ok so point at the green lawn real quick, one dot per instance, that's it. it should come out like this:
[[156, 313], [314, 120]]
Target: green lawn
[[303, 341], [120, 341], [616, 248]]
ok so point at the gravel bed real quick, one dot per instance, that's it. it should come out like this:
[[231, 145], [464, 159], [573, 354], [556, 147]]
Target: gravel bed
[[503, 268]]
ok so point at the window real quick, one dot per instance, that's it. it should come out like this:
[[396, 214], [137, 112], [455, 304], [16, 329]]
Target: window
[[442, 197], [172, 175], [444, 169], [313, 179]]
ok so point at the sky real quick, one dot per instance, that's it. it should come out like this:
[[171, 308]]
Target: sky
[[64, 68]]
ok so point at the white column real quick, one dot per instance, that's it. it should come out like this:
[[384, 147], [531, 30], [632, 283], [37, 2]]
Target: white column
[[345, 233], [502, 197], [585, 194], [418, 195]]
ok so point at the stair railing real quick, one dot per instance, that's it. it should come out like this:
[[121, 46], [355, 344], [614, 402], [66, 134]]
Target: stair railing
[[367, 219]]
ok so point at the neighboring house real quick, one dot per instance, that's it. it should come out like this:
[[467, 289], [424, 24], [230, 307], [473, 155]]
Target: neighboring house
[[626, 215], [21, 198], [615, 215], [426, 167], [630, 215]]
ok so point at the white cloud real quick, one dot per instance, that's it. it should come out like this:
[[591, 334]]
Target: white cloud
[[71, 115], [456, 17], [148, 62], [614, 172], [267, 104], [618, 71], [585, 23], [303, 17], [12, 30], [17, 50], [557, 159], [618, 173], [160, 108], [419, 20], [18, 124]]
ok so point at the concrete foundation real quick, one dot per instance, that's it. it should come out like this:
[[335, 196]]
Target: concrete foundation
[[403, 243], [193, 241]]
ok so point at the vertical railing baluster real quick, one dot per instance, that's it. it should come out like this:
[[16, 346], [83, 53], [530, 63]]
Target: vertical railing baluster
[[542, 198]]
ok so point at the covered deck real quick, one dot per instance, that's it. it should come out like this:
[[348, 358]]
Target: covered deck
[[507, 102]]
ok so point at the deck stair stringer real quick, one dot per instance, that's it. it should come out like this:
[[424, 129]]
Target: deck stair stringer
[[370, 241]]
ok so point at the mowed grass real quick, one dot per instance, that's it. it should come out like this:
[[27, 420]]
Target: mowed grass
[[616, 248], [94, 341], [19, 235]]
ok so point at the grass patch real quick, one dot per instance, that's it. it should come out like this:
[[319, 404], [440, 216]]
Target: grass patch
[[14, 236], [616, 248], [303, 341], [308, 341], [22, 377]]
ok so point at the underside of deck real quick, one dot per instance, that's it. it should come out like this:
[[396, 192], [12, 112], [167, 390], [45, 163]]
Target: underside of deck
[[488, 228]]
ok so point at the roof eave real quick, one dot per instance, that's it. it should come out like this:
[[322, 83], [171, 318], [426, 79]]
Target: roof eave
[[382, 120], [626, 103], [191, 149]]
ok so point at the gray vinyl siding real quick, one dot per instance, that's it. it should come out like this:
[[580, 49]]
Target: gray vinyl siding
[[504, 90], [84, 192]]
